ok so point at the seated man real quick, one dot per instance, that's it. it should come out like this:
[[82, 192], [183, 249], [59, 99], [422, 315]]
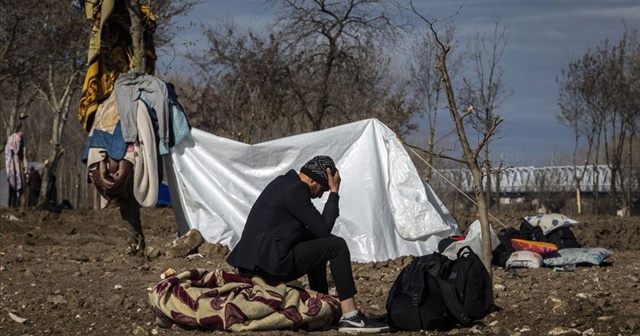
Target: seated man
[[286, 237]]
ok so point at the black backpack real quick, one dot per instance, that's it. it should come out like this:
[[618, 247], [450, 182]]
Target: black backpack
[[561, 237], [503, 251], [530, 232], [434, 292]]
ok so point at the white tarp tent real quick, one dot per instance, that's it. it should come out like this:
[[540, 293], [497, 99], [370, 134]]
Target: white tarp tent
[[386, 211]]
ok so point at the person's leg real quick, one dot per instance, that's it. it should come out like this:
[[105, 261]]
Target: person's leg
[[318, 279], [130, 213], [310, 257], [13, 197], [33, 197]]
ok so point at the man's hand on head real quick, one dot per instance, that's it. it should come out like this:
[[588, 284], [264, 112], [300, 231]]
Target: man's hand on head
[[334, 180]]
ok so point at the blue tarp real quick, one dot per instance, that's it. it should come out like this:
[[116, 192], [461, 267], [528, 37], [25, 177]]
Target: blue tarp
[[164, 199]]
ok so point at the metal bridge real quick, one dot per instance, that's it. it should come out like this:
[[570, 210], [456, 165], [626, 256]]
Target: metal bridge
[[539, 179]]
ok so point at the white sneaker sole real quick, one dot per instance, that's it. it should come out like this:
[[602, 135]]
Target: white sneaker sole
[[359, 330]]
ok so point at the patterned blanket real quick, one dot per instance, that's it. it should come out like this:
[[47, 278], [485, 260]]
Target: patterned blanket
[[219, 300]]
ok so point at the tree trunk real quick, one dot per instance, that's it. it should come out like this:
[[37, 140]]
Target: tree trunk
[[431, 147], [613, 199], [489, 173], [497, 194], [78, 190], [470, 158], [596, 189], [48, 186], [48, 176], [483, 214], [137, 37], [629, 173], [324, 88], [578, 196]]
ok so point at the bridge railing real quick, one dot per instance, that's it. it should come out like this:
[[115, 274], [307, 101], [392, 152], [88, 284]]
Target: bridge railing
[[540, 179]]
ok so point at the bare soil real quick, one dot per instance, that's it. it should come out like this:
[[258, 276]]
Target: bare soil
[[69, 274]]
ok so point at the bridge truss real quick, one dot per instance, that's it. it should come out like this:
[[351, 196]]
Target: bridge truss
[[524, 180]]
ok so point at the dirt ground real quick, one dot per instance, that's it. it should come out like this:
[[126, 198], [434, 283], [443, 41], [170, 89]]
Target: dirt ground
[[69, 274]]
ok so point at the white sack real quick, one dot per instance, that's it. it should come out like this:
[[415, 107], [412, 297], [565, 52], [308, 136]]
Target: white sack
[[524, 259], [473, 239], [385, 209]]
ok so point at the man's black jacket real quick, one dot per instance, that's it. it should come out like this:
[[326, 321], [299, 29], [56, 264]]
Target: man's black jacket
[[281, 217]]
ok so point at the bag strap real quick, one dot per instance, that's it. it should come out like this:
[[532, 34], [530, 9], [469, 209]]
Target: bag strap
[[464, 251], [453, 303], [412, 284], [416, 285]]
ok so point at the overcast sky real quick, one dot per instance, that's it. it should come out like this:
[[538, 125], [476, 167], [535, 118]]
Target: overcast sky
[[544, 35]]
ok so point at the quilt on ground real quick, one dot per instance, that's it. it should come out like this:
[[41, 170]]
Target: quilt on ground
[[219, 300]]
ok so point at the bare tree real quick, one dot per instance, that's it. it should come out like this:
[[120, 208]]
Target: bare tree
[[254, 87], [15, 105], [583, 78], [16, 61], [245, 87], [48, 63], [485, 90], [572, 113], [633, 161], [372, 89], [33, 62], [597, 100], [617, 95], [425, 79], [327, 38], [624, 113], [469, 156]]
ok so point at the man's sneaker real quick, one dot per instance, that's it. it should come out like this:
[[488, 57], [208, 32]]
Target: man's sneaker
[[361, 324]]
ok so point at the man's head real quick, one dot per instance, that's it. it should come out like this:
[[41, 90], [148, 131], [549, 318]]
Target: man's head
[[316, 169]]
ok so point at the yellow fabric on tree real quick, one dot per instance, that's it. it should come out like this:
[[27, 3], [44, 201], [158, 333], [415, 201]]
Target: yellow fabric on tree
[[110, 52]]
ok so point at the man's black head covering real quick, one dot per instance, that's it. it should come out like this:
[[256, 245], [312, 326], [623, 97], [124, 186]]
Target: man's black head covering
[[316, 169]]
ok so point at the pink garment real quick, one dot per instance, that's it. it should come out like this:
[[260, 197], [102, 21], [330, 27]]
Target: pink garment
[[13, 153]]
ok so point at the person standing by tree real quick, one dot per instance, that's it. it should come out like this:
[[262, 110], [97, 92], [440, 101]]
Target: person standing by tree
[[16, 162], [34, 180]]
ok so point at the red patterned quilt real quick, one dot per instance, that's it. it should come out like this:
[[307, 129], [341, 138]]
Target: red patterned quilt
[[219, 300]]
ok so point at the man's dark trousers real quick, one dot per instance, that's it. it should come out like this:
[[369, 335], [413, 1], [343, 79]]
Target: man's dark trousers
[[310, 258]]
